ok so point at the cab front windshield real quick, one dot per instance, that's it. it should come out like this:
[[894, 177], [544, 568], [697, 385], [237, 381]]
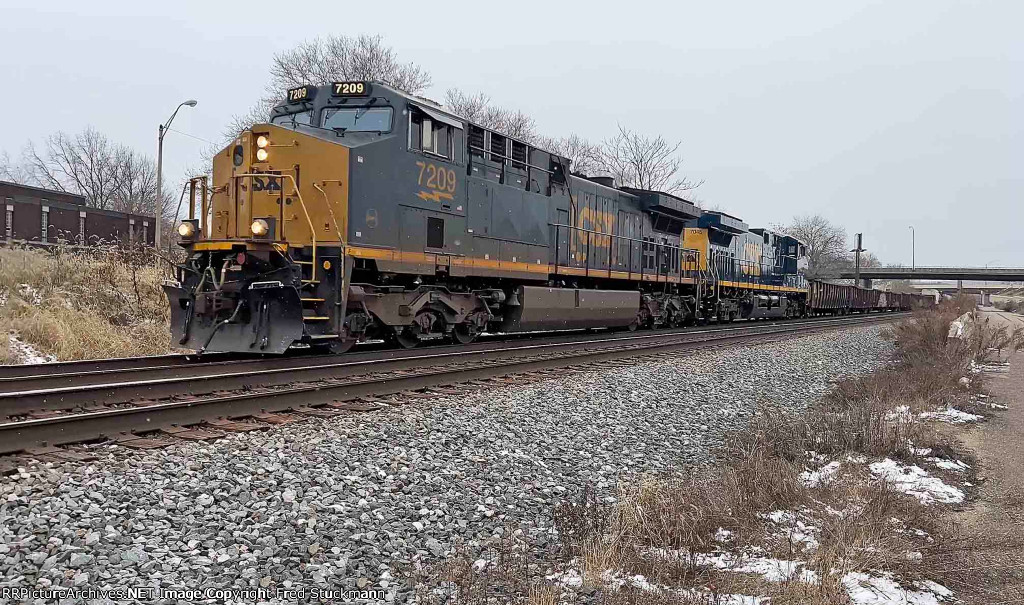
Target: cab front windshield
[[289, 119], [358, 119]]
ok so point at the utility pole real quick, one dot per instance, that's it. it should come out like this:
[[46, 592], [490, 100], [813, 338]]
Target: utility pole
[[158, 211], [856, 271], [158, 214], [913, 250]]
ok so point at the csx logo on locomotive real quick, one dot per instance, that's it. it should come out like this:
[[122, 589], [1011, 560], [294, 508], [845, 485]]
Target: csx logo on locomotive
[[267, 183], [593, 220]]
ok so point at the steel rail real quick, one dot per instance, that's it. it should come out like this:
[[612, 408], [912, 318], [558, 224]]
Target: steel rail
[[73, 428], [22, 378], [14, 373], [102, 389], [106, 371]]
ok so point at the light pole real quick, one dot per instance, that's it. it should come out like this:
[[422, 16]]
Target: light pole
[[913, 261], [158, 214]]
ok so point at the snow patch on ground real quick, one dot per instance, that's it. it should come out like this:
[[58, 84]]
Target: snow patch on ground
[[30, 294], [999, 367], [950, 465], [916, 481], [569, 578], [822, 475], [900, 413], [961, 326], [24, 353], [952, 416], [864, 589], [793, 529], [616, 580], [772, 570]]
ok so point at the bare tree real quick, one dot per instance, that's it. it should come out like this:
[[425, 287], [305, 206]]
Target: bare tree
[[85, 164], [479, 109], [325, 60], [644, 162], [334, 58], [257, 114], [584, 156], [110, 176], [11, 171], [826, 243], [137, 190]]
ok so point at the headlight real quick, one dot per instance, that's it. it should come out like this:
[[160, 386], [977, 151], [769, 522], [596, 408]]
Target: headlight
[[186, 229], [259, 227], [261, 155], [262, 141]]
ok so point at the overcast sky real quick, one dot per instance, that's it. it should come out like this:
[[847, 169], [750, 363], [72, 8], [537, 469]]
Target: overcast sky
[[878, 115]]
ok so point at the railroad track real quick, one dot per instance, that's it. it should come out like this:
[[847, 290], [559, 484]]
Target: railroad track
[[190, 400], [21, 380]]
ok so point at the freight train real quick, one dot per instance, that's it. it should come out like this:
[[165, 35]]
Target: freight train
[[361, 212]]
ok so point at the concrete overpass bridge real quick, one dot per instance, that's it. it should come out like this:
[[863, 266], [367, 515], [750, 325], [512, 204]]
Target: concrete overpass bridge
[[1006, 274]]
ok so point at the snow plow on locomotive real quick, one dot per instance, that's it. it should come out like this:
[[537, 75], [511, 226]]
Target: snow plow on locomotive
[[359, 212]]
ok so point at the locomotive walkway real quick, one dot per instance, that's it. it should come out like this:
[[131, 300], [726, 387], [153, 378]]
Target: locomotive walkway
[[144, 413]]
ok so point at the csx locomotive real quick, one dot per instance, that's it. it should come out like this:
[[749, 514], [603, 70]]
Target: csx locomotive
[[362, 212]]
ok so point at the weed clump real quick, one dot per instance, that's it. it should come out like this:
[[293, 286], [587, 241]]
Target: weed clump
[[83, 303]]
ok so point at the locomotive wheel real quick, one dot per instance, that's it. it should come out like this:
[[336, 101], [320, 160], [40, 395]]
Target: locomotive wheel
[[465, 333], [424, 323], [341, 345], [407, 338]]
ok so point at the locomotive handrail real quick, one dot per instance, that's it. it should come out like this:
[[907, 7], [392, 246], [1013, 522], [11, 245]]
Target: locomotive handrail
[[735, 269], [204, 189], [334, 219], [505, 157], [302, 204]]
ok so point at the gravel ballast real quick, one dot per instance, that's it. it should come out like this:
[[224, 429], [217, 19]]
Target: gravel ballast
[[360, 501]]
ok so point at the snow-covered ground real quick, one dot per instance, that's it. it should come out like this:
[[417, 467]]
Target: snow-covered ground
[[21, 352]]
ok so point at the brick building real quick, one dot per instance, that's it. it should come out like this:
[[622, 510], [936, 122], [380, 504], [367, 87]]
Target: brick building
[[44, 217]]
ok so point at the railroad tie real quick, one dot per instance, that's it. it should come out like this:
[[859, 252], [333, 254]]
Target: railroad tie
[[142, 443], [232, 426], [318, 412], [193, 434], [277, 418], [56, 454], [355, 406]]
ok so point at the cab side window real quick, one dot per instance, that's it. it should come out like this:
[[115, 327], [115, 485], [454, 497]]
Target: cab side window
[[430, 136]]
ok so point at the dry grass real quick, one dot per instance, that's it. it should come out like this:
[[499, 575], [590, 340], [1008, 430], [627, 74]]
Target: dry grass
[[665, 529], [1012, 305], [103, 302]]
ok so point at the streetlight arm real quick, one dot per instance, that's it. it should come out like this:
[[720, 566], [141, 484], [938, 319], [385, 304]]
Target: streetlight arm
[[166, 125]]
